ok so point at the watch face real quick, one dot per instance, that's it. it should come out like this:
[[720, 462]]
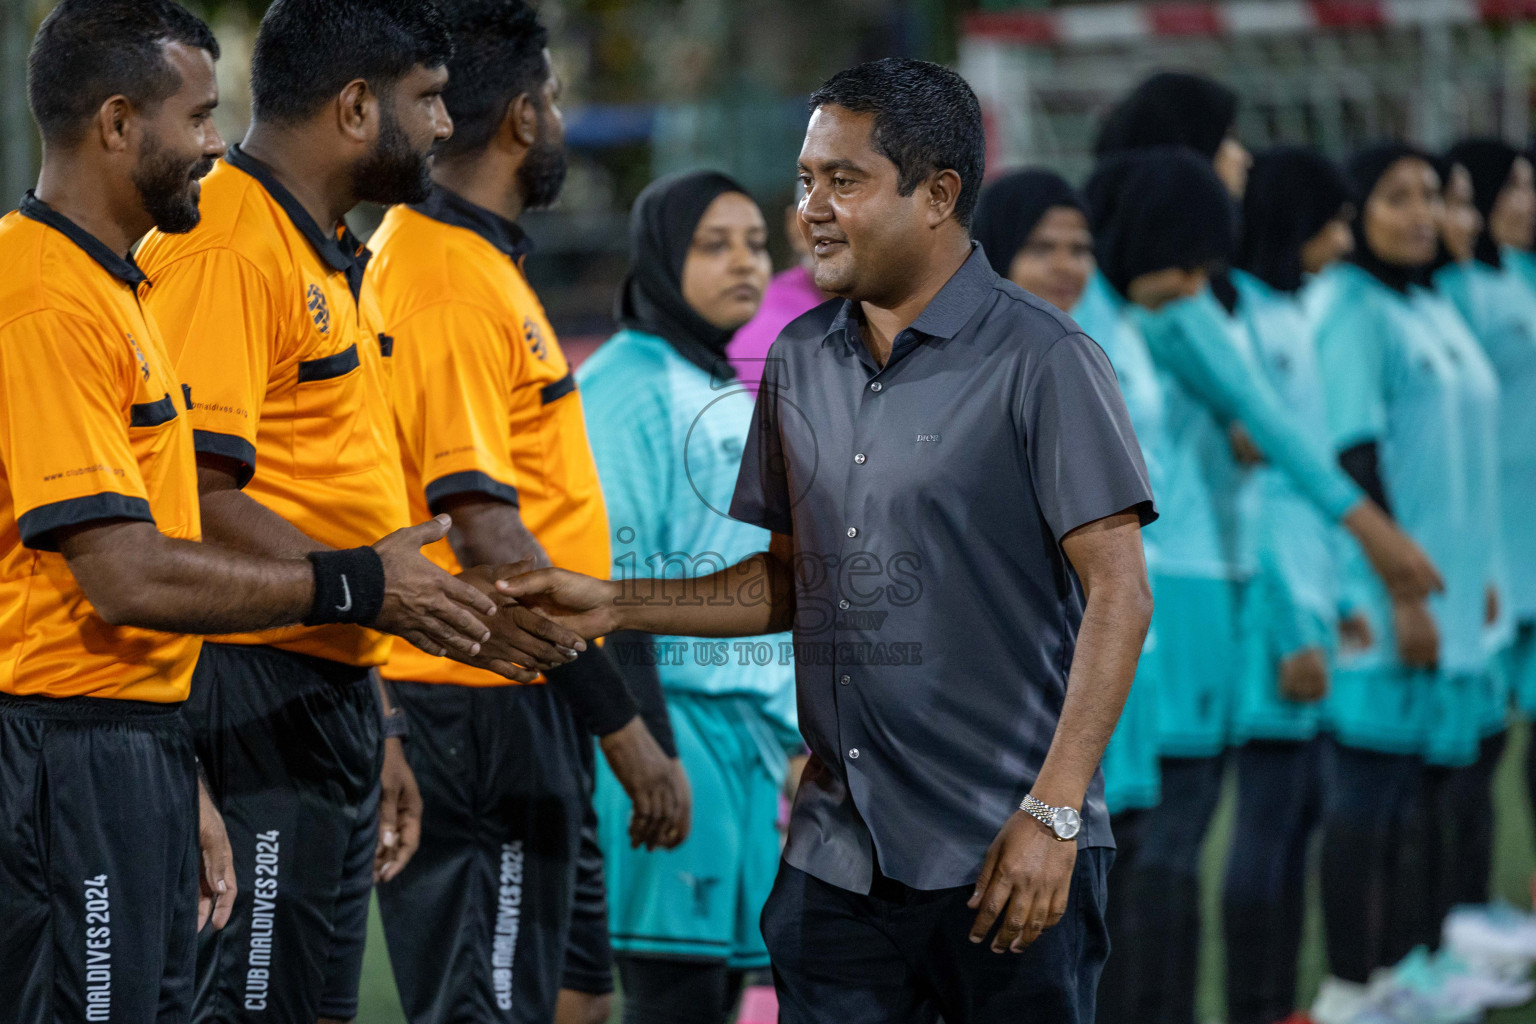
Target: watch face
[[1067, 823]]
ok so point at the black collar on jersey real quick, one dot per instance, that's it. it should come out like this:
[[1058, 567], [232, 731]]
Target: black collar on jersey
[[344, 252], [448, 207], [121, 267]]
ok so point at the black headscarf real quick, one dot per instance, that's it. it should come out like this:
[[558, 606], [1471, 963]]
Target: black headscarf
[[1365, 170], [661, 227], [1152, 209], [1172, 108], [1489, 162], [1010, 207], [1292, 193]]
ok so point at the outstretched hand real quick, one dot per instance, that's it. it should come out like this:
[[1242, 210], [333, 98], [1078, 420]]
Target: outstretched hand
[[582, 604], [522, 641], [422, 603]]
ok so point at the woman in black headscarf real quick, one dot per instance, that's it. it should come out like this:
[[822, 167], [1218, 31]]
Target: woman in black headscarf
[[1296, 216], [1411, 406], [667, 438], [1161, 221], [1033, 227], [656, 297], [1176, 108], [1159, 227], [1498, 301], [1503, 193]]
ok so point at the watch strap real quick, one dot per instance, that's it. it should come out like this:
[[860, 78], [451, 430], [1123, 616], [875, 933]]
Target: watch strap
[[1041, 811], [1044, 813]]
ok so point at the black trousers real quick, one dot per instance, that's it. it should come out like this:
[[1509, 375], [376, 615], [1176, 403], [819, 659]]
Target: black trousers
[[495, 914], [292, 749], [1168, 900], [1279, 806], [902, 954], [1370, 801], [659, 990], [1449, 843], [1133, 927], [98, 861]]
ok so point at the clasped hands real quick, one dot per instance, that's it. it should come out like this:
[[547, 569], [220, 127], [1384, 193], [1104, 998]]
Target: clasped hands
[[522, 643]]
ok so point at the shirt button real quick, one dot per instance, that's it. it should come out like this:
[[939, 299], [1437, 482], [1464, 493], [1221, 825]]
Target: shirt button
[[845, 680], [854, 753], [853, 531], [876, 386], [843, 604], [859, 458]]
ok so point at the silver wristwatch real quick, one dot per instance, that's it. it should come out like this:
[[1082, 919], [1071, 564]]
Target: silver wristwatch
[[1064, 822]]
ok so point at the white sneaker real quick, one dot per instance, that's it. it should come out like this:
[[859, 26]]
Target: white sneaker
[[1338, 1001], [1466, 983], [1497, 934], [1418, 990]]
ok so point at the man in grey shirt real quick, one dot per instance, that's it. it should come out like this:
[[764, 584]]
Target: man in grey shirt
[[955, 496]]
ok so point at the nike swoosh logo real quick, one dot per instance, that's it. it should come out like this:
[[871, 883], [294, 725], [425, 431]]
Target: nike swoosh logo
[[346, 591]]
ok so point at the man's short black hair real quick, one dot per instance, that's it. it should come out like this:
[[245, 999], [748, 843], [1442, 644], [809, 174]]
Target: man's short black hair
[[90, 50], [498, 55], [307, 50], [926, 120]]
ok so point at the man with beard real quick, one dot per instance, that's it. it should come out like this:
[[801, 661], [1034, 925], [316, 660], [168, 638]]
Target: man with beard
[[99, 516], [286, 361], [504, 906]]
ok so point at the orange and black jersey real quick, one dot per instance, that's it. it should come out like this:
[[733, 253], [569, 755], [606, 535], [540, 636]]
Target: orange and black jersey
[[484, 397], [93, 426], [272, 325]]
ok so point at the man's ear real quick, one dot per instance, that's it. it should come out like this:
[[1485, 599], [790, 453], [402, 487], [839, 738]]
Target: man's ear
[[943, 191], [113, 123], [520, 125], [357, 111]]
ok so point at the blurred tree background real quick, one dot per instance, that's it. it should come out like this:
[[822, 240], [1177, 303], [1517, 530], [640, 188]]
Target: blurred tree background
[[651, 86]]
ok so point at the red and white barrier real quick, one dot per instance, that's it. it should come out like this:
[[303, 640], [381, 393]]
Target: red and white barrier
[[1093, 24]]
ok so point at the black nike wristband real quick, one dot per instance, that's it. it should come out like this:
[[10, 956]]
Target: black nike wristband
[[596, 692], [349, 586]]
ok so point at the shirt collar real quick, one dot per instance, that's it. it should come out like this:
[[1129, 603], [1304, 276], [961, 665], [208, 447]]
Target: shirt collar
[[121, 267], [340, 251], [949, 311], [448, 207]]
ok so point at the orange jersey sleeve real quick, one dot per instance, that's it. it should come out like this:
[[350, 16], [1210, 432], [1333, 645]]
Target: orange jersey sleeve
[[453, 402], [226, 323], [65, 386]]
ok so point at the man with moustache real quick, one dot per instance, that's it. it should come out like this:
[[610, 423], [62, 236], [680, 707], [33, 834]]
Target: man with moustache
[[286, 359], [99, 518], [503, 914], [951, 457]]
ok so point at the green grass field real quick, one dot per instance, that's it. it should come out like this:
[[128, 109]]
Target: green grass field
[[1514, 863]]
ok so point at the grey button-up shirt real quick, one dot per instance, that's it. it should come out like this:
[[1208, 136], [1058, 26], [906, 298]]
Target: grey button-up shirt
[[937, 614]]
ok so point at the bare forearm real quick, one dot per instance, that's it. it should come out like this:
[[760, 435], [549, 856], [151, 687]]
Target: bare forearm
[[752, 597], [136, 576], [233, 520], [490, 532], [1109, 643]]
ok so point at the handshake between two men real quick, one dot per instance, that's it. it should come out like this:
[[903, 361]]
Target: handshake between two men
[[471, 619]]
